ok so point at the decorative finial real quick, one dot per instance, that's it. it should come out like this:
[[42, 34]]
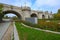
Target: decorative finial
[[51, 12], [21, 5], [25, 4]]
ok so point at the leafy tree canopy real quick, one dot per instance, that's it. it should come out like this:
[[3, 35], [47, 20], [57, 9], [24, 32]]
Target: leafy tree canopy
[[1, 8], [58, 11], [57, 15]]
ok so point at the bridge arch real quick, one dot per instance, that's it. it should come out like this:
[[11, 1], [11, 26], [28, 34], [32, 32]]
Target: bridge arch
[[33, 15], [43, 16], [13, 12]]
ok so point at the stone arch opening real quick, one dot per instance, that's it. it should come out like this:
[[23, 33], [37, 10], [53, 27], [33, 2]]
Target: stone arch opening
[[43, 16], [12, 12], [33, 15]]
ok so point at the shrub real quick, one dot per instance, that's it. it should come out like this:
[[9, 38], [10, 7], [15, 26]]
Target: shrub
[[44, 25]]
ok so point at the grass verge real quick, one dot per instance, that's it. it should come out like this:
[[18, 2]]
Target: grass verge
[[32, 34]]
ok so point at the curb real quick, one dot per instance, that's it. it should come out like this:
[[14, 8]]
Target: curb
[[16, 37]]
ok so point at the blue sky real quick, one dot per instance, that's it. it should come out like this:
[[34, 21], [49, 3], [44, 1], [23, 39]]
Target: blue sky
[[43, 5]]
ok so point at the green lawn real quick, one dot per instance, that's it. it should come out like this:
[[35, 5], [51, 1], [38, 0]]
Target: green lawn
[[32, 34]]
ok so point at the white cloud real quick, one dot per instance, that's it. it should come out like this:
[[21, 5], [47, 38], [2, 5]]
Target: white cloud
[[51, 3], [17, 2], [23, 3], [37, 4]]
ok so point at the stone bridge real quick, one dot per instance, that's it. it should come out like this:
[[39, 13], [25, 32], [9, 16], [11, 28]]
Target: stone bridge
[[24, 12]]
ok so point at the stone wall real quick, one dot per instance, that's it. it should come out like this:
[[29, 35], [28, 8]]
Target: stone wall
[[32, 20]]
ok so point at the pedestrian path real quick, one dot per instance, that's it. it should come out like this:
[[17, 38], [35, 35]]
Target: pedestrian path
[[3, 27], [9, 33]]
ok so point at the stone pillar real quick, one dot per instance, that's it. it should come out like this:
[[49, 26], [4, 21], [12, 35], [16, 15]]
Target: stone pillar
[[46, 16], [26, 12], [40, 15]]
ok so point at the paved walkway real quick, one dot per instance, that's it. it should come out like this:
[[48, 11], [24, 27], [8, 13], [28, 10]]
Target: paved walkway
[[6, 31], [3, 27], [9, 33]]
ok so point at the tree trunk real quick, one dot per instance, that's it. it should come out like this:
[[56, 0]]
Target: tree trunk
[[0, 18]]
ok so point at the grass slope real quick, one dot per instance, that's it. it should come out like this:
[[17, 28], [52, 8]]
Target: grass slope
[[32, 34]]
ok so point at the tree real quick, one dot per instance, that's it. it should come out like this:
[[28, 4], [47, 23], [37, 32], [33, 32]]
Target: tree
[[6, 17], [1, 8], [56, 16], [58, 11]]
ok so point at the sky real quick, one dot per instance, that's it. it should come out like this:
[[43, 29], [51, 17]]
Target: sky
[[42, 5]]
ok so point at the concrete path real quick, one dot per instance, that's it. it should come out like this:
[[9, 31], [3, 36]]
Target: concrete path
[[6, 31], [3, 27], [9, 33]]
